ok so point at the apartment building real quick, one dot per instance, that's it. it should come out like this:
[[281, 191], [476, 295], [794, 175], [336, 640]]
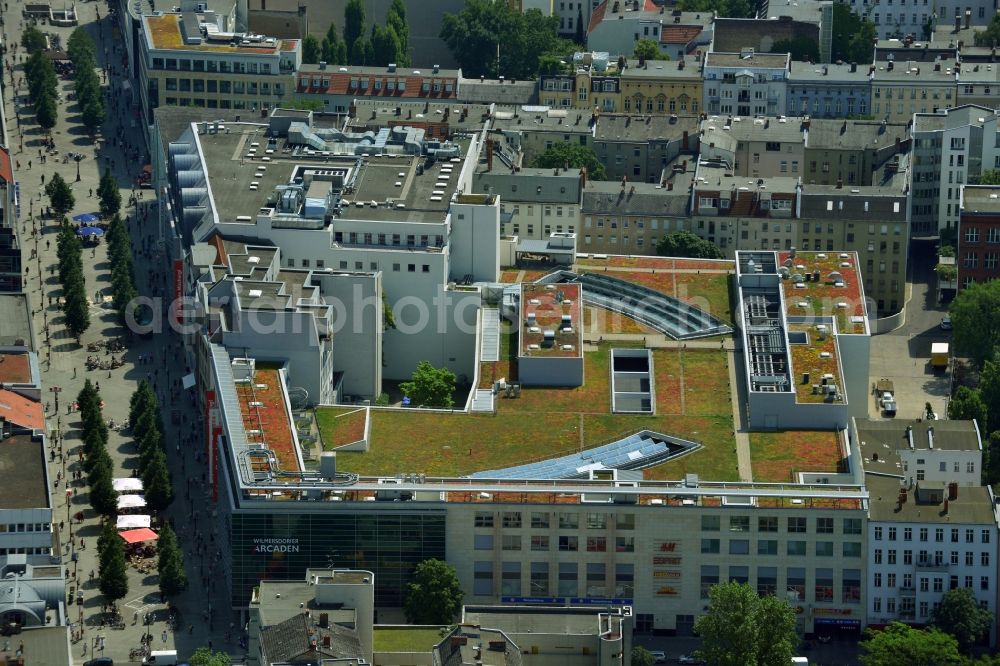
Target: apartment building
[[25, 501], [639, 148], [630, 218], [932, 526], [755, 147], [192, 59], [616, 25], [594, 85], [901, 20], [336, 87], [903, 88], [853, 152], [530, 131], [663, 87], [978, 254], [746, 83], [950, 148], [828, 90], [534, 202]]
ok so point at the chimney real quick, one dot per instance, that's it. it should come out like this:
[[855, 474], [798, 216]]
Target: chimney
[[890, 65], [392, 67], [953, 491], [685, 141], [968, 18], [902, 495], [324, 620], [437, 68], [945, 506], [680, 64], [840, 183], [670, 186], [583, 177], [326, 641], [489, 155], [854, 67], [958, 23], [322, 64]]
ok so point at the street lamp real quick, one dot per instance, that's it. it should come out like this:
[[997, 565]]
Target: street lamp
[[78, 157]]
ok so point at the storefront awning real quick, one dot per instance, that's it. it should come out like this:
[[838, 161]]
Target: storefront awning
[[131, 501], [133, 522], [139, 535], [127, 484]]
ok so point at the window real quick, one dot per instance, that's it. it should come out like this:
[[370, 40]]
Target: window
[[539, 542], [878, 556], [596, 579], [767, 547], [852, 526], [597, 544], [739, 546], [986, 536], [569, 521], [539, 521], [512, 542], [824, 549], [624, 544], [824, 525], [539, 579], [796, 547], [624, 580], [908, 531], [824, 585], [970, 536], [709, 578], [597, 521], [797, 525], [568, 579], [483, 542], [484, 519], [710, 545], [511, 519], [739, 523], [767, 524], [625, 521], [482, 575], [878, 533], [568, 543], [984, 558], [923, 534], [852, 549]]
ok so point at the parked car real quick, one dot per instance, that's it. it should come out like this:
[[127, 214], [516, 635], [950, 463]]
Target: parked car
[[659, 657], [689, 659], [100, 661], [946, 324]]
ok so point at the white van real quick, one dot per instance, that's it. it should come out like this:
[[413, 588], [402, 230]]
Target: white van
[[161, 658]]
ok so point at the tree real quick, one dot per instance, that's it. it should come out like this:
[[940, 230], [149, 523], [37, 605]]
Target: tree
[[354, 23], [334, 49], [109, 195], [113, 579], [581, 36], [395, 18], [430, 386], [311, 50], [156, 480], [103, 496], [204, 656], [989, 391], [741, 628], [642, 657], [801, 48], [170, 563], [724, 8], [33, 40], [386, 46], [975, 314], [966, 405], [961, 616], [46, 112], [76, 310], [92, 116], [990, 177], [946, 272], [575, 156], [359, 51], [60, 195], [853, 35], [902, 645], [648, 49], [435, 595], [492, 38], [687, 244], [990, 36]]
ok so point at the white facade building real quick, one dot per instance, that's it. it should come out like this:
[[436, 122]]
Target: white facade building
[[932, 527], [25, 503], [746, 83]]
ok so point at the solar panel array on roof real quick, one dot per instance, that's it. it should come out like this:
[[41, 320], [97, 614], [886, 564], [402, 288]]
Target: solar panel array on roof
[[638, 451], [675, 318]]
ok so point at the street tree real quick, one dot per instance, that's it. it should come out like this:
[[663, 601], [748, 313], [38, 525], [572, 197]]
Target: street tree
[[204, 656], [103, 496], [113, 580], [46, 112], [106, 539], [354, 23], [60, 195], [435, 595], [386, 45], [430, 386], [961, 616], [573, 155], [93, 115], [989, 391], [687, 244], [742, 628], [360, 51], [648, 49], [80, 46], [311, 50], [975, 315], [990, 177], [902, 645], [142, 398], [156, 481], [76, 310], [109, 195], [170, 563], [33, 40]]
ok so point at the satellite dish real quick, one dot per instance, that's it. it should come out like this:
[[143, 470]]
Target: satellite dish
[[298, 397]]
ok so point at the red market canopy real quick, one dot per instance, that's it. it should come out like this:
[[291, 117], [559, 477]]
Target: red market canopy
[[139, 535]]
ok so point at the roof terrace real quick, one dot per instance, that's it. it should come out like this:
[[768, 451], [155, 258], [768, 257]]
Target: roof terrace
[[552, 324], [824, 285], [168, 32], [266, 420]]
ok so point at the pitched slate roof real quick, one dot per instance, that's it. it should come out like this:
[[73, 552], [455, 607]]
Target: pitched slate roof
[[292, 640]]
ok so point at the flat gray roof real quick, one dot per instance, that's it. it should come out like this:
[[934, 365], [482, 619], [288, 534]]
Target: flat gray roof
[[22, 466], [535, 620], [718, 179], [648, 199], [659, 69], [752, 129], [948, 435], [371, 113], [981, 199], [42, 645], [847, 134], [641, 129], [15, 321], [973, 505], [921, 71], [539, 119], [807, 72], [758, 60]]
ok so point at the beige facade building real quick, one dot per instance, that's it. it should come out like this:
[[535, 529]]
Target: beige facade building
[[190, 59], [902, 88], [662, 86]]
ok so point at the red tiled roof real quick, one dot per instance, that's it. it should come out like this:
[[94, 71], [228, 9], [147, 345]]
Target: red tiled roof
[[597, 16], [6, 172], [679, 34], [340, 84], [21, 411]]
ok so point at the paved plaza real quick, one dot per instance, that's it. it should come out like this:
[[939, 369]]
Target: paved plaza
[[204, 616]]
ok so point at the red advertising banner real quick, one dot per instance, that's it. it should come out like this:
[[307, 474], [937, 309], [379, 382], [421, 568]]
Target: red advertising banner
[[216, 434], [209, 444], [178, 291]]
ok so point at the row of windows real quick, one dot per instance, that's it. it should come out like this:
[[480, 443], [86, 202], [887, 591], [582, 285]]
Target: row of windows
[[567, 543], [395, 240], [905, 607], [926, 582], [924, 558], [222, 67], [793, 524], [25, 527], [923, 533], [971, 235], [565, 520], [25, 551], [794, 585], [222, 87], [544, 580], [990, 260], [210, 103], [770, 547]]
